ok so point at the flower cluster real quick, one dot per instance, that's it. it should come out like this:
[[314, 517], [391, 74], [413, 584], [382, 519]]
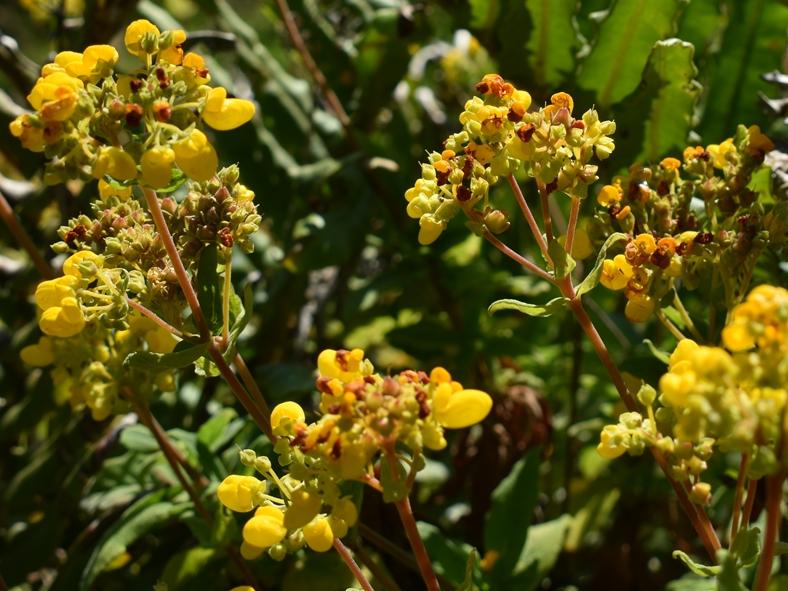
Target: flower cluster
[[687, 221], [142, 126], [713, 398], [499, 137], [369, 425]]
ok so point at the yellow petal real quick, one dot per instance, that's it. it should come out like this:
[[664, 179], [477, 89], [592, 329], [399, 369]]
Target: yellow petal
[[236, 492], [464, 408], [318, 535], [289, 410]]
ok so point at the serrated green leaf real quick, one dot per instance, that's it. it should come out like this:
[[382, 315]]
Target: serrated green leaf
[[614, 65], [553, 39], [670, 73], [209, 286], [755, 29], [511, 508], [542, 311], [146, 514], [592, 279], [183, 355], [697, 568], [563, 261]]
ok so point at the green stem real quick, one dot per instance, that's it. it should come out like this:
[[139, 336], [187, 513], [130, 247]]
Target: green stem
[[686, 317], [672, 328]]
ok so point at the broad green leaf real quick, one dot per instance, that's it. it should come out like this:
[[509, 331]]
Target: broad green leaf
[[143, 516], [564, 263], [728, 575], [211, 432], [613, 67], [670, 76], [702, 24], [699, 569], [138, 438], [449, 557], [553, 39], [511, 508], [747, 546], [692, 583], [750, 47], [542, 311], [592, 279], [209, 286], [542, 548], [184, 354]]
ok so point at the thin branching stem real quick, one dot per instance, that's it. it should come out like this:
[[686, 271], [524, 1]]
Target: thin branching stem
[[774, 488], [529, 216], [347, 558], [740, 480], [23, 238]]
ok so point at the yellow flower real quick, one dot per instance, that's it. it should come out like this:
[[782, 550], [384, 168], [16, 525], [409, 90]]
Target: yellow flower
[[249, 552], [138, 33], [160, 340], [55, 96], [31, 136], [303, 508], [63, 319], [94, 63], [670, 163], [174, 53], [156, 167], [116, 163], [40, 354], [196, 157], [429, 229], [457, 409], [608, 447], [758, 143], [236, 492], [616, 272], [318, 535], [720, 152], [266, 528], [107, 190], [196, 64], [224, 114], [639, 308], [610, 195], [345, 366], [291, 411], [72, 263]]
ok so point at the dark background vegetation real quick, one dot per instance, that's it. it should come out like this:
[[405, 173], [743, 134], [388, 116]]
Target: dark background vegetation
[[337, 264]]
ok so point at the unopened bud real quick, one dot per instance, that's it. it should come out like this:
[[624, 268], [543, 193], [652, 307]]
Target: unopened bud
[[701, 493], [496, 221], [248, 457]]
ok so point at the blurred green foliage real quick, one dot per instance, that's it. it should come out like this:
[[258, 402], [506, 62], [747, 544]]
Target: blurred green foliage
[[95, 506]]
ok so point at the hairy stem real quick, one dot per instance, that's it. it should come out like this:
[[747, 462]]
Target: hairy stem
[[347, 558], [177, 264], [417, 544], [518, 258], [574, 214], [23, 238], [529, 217]]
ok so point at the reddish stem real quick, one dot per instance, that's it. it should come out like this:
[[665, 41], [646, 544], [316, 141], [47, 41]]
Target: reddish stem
[[574, 214], [745, 460], [529, 217], [23, 238], [151, 315], [774, 488], [417, 544], [517, 257], [347, 558]]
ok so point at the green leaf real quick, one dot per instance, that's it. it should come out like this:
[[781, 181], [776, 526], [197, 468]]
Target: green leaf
[[542, 548], [563, 261], [656, 352], [184, 567], [146, 514], [747, 546], [209, 286], [553, 39], [512, 505], [616, 60], [212, 432], [592, 279], [728, 576], [697, 568], [692, 583], [138, 438], [542, 311], [484, 13], [755, 30], [449, 557], [471, 566], [670, 77], [184, 354]]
